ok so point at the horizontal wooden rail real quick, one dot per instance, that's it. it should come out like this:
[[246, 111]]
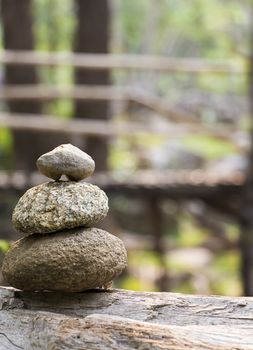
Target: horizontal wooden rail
[[102, 128], [97, 92], [44, 92], [141, 178], [88, 127], [109, 93], [221, 191], [174, 184], [161, 106], [124, 61]]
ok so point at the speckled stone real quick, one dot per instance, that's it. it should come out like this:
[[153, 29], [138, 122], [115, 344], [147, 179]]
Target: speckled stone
[[66, 160], [70, 260], [53, 206]]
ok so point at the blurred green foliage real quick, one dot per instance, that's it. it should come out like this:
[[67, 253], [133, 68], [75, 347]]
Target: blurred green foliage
[[54, 23], [4, 245], [5, 148], [221, 275], [227, 275], [208, 146], [210, 28]]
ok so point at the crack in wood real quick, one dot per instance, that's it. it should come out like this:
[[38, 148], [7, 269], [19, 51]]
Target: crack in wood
[[10, 341]]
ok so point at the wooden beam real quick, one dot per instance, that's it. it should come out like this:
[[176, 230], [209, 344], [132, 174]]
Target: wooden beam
[[113, 61], [88, 127], [161, 106], [126, 94], [121, 319], [162, 308], [108, 93], [104, 129], [41, 330], [40, 92], [175, 186], [222, 194]]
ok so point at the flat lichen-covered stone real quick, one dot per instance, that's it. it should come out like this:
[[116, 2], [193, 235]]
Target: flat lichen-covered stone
[[54, 206], [70, 260], [66, 160]]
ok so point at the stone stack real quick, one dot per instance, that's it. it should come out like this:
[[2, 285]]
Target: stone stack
[[61, 250]]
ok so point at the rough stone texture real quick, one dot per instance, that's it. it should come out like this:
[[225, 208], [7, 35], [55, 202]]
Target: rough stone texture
[[66, 160], [54, 206], [70, 260]]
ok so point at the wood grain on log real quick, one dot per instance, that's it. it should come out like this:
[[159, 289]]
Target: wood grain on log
[[120, 319], [163, 308], [24, 329]]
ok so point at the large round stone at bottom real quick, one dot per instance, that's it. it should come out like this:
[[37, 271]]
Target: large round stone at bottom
[[70, 260]]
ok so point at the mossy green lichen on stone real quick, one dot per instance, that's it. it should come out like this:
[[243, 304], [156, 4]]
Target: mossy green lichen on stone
[[53, 206]]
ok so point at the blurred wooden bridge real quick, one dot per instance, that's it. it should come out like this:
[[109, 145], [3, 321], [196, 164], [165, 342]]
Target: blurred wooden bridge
[[222, 192]]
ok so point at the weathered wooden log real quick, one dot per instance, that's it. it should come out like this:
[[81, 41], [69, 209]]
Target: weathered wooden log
[[43, 330], [162, 308], [120, 319]]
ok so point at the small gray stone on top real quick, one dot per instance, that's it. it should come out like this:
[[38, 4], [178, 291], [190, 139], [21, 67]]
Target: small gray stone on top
[[53, 206], [66, 160]]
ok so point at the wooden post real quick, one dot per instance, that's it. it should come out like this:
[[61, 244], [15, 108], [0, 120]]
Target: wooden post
[[246, 237], [18, 35], [17, 15], [92, 36], [156, 221]]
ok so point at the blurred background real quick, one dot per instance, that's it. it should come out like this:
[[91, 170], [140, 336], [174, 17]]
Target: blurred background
[[160, 94]]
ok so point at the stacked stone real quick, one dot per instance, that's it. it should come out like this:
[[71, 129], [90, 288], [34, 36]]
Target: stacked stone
[[61, 250]]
